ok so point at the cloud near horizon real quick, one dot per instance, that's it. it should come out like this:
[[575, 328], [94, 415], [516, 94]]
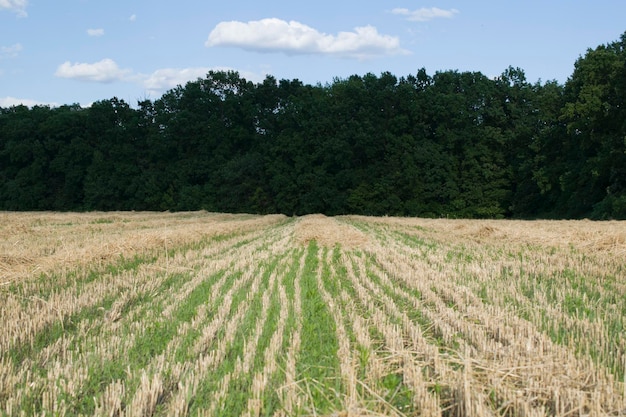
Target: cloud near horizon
[[156, 83], [165, 79], [276, 35], [425, 14], [104, 71], [6, 102], [17, 6]]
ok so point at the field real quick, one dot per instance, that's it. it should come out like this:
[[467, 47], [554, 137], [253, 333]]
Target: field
[[174, 314]]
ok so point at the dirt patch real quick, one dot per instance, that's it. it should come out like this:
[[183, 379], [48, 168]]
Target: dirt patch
[[327, 231]]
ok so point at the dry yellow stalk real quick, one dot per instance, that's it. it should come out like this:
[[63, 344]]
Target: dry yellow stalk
[[490, 292]]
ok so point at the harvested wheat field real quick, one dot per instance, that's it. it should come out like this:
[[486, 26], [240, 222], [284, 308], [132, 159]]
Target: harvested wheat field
[[175, 314]]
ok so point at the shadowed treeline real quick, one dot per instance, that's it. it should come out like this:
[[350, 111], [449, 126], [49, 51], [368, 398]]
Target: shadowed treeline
[[455, 144]]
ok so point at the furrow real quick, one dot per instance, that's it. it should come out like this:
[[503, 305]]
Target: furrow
[[290, 394], [497, 339], [261, 379], [406, 348], [243, 365]]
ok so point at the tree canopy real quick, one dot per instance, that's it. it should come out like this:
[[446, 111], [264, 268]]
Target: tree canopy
[[453, 143]]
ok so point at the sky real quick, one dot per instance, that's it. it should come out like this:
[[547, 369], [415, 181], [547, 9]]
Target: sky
[[56, 52]]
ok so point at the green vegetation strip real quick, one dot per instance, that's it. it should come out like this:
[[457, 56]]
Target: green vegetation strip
[[238, 389], [318, 364]]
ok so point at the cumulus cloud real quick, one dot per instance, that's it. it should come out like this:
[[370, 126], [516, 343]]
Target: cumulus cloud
[[104, 71], [165, 79], [17, 6], [156, 83], [8, 101], [95, 32], [10, 51], [425, 14], [276, 35]]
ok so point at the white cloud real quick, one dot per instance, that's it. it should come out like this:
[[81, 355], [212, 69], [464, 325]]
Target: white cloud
[[17, 6], [104, 71], [7, 102], [276, 35], [95, 32], [424, 14], [10, 51], [165, 79], [156, 83], [132, 17]]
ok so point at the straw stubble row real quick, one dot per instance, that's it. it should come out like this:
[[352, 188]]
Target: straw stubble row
[[71, 367], [515, 366], [429, 317]]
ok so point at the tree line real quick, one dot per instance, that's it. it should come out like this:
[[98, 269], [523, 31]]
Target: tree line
[[455, 144]]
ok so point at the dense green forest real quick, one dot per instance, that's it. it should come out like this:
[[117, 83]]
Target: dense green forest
[[455, 144]]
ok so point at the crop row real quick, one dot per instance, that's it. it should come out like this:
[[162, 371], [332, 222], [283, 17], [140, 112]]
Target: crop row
[[286, 317]]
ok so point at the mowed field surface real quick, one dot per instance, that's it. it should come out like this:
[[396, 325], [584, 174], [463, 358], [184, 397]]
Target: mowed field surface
[[138, 314]]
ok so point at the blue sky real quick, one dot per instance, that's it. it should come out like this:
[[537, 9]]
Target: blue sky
[[79, 51]]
